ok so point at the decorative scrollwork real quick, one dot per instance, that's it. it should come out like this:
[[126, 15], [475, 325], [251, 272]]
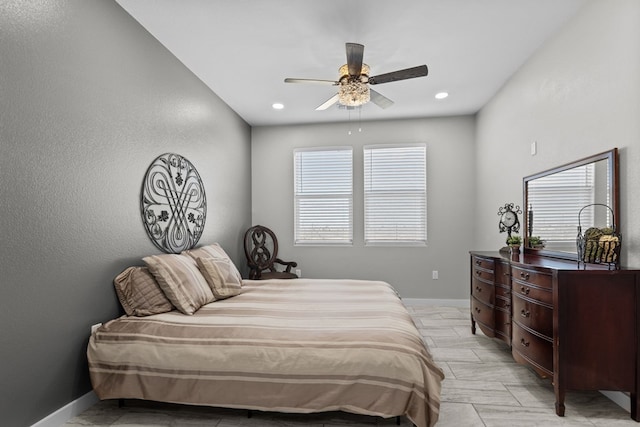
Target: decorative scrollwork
[[173, 203], [260, 254]]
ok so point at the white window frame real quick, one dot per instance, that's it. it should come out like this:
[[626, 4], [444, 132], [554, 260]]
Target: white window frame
[[387, 224], [326, 224]]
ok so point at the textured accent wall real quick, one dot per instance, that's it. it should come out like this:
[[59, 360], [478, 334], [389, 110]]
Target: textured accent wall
[[87, 100]]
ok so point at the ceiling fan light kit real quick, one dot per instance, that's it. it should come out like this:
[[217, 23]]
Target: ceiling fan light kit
[[354, 81], [353, 90]]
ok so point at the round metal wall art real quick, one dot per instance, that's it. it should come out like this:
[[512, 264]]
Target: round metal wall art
[[173, 203]]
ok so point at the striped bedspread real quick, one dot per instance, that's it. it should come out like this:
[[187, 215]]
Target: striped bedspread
[[299, 345]]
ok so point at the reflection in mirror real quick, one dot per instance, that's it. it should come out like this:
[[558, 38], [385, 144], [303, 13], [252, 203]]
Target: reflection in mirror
[[554, 198]]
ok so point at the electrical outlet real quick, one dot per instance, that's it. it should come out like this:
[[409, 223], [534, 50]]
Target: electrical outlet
[[95, 327], [434, 274], [299, 272]]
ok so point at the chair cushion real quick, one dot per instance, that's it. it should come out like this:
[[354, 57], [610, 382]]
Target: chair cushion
[[220, 277], [139, 293], [181, 281], [265, 275]]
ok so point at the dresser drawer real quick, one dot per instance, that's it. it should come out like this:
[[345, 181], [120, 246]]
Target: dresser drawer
[[533, 277], [503, 325], [502, 273], [503, 303], [484, 263], [532, 315], [483, 275], [533, 349], [543, 295], [482, 313], [482, 291], [502, 291]]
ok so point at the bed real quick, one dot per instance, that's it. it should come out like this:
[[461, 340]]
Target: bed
[[302, 346]]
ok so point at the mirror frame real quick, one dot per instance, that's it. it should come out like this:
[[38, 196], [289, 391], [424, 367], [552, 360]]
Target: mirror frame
[[611, 157]]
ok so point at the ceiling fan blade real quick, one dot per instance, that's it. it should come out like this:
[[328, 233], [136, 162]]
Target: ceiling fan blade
[[380, 100], [355, 53], [328, 103], [409, 73], [312, 81]]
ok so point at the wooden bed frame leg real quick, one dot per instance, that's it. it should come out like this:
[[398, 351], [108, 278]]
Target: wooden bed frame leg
[[249, 413], [120, 403], [398, 420]]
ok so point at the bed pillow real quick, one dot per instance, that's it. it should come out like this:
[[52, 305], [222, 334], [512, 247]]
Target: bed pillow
[[214, 251], [139, 293], [181, 281], [220, 276]]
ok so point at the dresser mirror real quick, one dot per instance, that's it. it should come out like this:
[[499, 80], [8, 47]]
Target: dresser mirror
[[554, 198]]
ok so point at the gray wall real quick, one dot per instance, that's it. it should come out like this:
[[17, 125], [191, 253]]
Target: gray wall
[[450, 203], [578, 95], [87, 100]]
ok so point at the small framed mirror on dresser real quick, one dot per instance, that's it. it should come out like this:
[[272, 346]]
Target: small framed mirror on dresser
[[574, 322], [554, 198]]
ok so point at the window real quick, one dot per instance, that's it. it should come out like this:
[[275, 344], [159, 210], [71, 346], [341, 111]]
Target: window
[[323, 195], [557, 195], [395, 194]]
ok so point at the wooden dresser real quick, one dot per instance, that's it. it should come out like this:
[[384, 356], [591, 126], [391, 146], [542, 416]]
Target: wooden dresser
[[578, 327]]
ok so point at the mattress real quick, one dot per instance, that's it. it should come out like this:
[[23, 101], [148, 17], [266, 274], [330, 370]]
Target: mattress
[[301, 346]]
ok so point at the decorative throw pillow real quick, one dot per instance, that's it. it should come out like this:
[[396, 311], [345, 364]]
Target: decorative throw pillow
[[139, 293], [181, 281], [220, 276], [215, 251]]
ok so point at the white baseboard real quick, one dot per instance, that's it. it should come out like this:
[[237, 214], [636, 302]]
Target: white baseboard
[[68, 411], [436, 302], [619, 398]]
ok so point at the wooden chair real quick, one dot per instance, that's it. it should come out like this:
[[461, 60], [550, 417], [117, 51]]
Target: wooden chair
[[261, 249]]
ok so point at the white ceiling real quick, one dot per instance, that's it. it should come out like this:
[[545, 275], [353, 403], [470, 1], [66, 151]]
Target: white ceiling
[[244, 49]]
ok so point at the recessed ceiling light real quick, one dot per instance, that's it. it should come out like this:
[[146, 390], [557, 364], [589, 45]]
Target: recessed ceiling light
[[442, 95], [278, 106]]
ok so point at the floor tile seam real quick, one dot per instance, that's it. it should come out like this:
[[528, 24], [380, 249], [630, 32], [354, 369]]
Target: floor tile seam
[[560, 419], [481, 382], [473, 405]]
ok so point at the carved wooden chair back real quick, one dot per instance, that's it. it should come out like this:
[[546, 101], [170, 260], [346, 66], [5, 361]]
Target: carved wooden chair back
[[261, 250]]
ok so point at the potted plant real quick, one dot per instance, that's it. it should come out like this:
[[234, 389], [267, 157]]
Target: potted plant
[[536, 242], [514, 241]]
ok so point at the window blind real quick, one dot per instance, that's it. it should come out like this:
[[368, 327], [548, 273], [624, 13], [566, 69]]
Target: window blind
[[323, 195], [556, 197], [395, 194]]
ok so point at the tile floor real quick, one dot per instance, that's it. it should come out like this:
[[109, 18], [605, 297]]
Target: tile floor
[[483, 387]]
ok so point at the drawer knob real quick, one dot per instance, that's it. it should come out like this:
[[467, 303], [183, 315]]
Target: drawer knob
[[524, 343], [478, 272], [476, 309], [525, 290], [478, 288], [478, 262], [525, 313], [524, 275]]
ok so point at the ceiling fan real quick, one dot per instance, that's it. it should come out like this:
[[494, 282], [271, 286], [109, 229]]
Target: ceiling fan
[[354, 81]]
